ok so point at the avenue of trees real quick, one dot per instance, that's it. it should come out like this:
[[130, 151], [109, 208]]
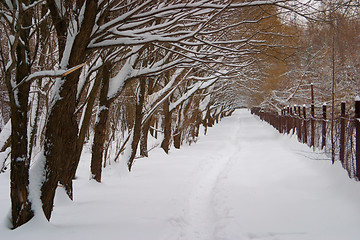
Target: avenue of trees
[[112, 73]]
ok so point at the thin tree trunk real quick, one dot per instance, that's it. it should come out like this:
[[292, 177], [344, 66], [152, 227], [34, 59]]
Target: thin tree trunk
[[144, 138], [206, 121], [100, 126], [146, 126], [177, 132], [155, 128], [138, 120], [177, 138], [20, 162], [86, 122], [198, 119], [21, 211], [167, 126], [44, 46]]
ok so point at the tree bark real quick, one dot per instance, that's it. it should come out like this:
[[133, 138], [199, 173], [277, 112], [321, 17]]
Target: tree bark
[[167, 126], [154, 127], [60, 144], [20, 162], [177, 138], [197, 125], [100, 126], [61, 133], [177, 132], [86, 121], [144, 138], [146, 126], [138, 120]]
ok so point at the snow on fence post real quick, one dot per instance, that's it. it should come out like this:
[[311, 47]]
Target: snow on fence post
[[357, 126], [305, 125], [312, 121], [323, 136], [342, 132]]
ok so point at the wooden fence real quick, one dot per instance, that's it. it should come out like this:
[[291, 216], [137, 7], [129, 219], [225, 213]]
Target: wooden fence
[[339, 138]]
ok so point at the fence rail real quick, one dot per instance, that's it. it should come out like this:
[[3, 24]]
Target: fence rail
[[339, 137]]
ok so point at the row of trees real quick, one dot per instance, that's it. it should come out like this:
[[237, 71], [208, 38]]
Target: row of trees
[[327, 57], [109, 72]]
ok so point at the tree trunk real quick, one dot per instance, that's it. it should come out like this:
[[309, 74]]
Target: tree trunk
[[167, 126], [60, 144], [100, 126], [138, 120], [86, 121], [177, 132], [197, 125], [61, 133], [206, 121], [19, 176], [44, 46], [144, 138], [177, 138], [154, 127], [146, 126], [20, 161]]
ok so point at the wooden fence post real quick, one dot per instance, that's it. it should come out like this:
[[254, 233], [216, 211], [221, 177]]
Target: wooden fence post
[[283, 120], [357, 126], [312, 94], [305, 125], [295, 120], [287, 120], [323, 143], [291, 120], [312, 121], [295, 125], [342, 133], [299, 124]]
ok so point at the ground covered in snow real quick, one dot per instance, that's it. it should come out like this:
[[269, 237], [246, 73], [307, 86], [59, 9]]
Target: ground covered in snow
[[242, 181]]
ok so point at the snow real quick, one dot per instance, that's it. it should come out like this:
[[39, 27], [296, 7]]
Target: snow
[[36, 178], [9, 4], [242, 181], [5, 134], [195, 87], [204, 103], [156, 95], [116, 83]]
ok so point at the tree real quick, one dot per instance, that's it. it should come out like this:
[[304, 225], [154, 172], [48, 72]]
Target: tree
[[103, 46], [323, 59], [17, 18]]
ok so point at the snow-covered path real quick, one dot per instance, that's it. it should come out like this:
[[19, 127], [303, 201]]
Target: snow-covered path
[[242, 181]]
